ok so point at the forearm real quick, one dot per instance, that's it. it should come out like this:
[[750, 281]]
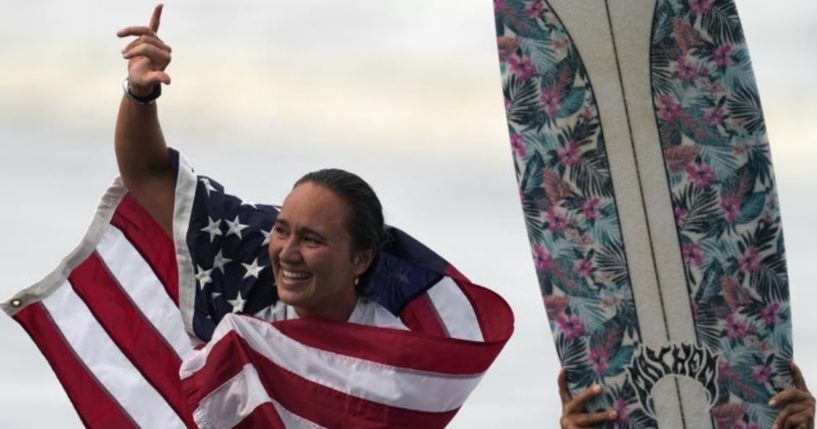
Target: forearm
[[141, 152]]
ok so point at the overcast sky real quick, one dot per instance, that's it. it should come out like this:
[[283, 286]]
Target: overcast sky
[[404, 92]]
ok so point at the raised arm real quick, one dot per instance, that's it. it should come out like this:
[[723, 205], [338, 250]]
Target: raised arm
[[141, 151]]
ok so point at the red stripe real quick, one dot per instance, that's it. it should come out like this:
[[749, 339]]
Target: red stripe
[[263, 416], [401, 349], [96, 408], [420, 316], [135, 336], [493, 313], [317, 403], [151, 241]]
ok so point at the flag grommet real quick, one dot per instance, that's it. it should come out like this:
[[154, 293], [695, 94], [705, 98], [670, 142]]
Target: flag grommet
[[16, 303]]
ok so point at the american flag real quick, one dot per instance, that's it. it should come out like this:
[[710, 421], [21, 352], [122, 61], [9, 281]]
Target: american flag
[[144, 330]]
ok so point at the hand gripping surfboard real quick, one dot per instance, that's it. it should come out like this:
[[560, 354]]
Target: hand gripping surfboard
[[649, 197]]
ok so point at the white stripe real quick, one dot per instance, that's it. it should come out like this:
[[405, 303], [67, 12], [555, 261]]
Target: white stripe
[[186, 183], [107, 363], [240, 396], [455, 310], [393, 386], [146, 291], [292, 420]]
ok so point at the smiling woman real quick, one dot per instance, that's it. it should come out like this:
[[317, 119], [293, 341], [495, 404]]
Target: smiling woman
[[307, 318]]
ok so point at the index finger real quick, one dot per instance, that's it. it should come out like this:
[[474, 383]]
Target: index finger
[[576, 405], [156, 17]]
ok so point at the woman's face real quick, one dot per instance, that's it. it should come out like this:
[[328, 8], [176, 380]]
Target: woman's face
[[312, 254]]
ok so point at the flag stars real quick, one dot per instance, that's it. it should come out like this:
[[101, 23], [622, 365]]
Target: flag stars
[[203, 276], [266, 237], [207, 185], [235, 227], [214, 296], [237, 303], [402, 277], [253, 269], [213, 228], [220, 261], [249, 203]]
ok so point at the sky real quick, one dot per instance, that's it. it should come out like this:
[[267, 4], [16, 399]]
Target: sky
[[405, 93]]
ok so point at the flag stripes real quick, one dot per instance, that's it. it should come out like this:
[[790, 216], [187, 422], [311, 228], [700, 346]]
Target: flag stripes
[[153, 244], [106, 362], [144, 288], [454, 310], [307, 397], [107, 321], [95, 406]]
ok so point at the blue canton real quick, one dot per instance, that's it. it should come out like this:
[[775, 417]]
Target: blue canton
[[228, 239]]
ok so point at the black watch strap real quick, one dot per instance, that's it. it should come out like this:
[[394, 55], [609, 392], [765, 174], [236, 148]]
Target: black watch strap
[[148, 99]]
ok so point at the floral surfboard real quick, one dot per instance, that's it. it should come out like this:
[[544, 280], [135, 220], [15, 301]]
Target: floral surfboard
[[649, 197]]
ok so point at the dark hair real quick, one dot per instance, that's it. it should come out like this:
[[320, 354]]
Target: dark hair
[[365, 224]]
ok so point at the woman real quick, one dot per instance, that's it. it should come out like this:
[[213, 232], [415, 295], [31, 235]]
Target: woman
[[796, 406], [312, 261]]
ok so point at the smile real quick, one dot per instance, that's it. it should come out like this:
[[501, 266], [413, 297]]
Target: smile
[[294, 276]]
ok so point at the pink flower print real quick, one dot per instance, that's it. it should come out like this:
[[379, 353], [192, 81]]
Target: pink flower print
[[692, 254], [620, 405], [557, 221], [521, 67], [769, 313], [669, 109], [508, 104], [750, 425], [598, 360], [700, 7], [507, 47], [550, 101], [583, 267], [569, 156], [701, 175], [534, 9], [730, 208], [681, 216], [571, 326], [541, 258], [590, 208], [685, 70], [750, 261], [735, 329], [714, 116], [722, 57], [762, 373], [518, 145], [499, 5], [723, 369]]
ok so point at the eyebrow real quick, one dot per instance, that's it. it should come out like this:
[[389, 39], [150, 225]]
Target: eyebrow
[[301, 230]]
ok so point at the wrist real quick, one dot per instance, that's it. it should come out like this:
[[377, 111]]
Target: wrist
[[140, 91], [141, 95]]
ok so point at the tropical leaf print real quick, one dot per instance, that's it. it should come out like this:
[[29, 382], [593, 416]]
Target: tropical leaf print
[[568, 201], [716, 156]]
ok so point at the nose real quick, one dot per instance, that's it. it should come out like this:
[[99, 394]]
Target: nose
[[290, 250]]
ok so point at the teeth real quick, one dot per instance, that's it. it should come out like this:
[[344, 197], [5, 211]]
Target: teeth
[[294, 275]]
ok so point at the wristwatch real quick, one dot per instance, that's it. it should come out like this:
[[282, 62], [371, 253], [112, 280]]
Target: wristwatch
[[148, 99]]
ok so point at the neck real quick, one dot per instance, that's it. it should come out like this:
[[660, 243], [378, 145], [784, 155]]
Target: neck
[[339, 311]]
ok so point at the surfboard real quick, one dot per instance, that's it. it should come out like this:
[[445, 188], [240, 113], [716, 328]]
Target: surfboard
[[648, 192]]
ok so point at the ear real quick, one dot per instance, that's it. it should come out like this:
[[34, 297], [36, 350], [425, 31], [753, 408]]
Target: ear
[[362, 260]]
